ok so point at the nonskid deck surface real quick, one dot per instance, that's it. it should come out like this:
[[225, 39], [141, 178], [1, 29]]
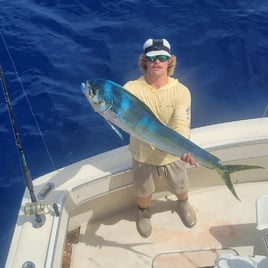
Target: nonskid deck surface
[[224, 225]]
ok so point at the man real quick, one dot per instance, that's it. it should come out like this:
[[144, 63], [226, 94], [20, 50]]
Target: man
[[170, 101]]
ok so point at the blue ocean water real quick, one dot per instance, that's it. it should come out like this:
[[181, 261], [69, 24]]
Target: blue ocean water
[[48, 47]]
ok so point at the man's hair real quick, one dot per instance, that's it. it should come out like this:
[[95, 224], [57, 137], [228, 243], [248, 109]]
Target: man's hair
[[171, 64]]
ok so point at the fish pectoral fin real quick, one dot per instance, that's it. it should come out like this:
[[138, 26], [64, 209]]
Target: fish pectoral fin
[[116, 130]]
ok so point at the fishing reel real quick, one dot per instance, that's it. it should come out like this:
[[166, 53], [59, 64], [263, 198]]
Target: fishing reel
[[41, 207]]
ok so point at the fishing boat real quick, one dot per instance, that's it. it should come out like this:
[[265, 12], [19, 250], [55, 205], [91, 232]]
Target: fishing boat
[[84, 214]]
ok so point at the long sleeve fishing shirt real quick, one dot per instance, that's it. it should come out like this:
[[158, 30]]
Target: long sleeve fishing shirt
[[171, 104]]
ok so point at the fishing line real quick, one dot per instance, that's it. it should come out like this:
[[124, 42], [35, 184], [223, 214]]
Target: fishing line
[[28, 102]]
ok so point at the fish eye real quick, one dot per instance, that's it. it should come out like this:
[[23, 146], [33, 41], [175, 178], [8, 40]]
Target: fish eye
[[91, 88]]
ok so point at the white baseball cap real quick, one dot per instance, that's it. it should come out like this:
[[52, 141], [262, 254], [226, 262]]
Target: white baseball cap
[[154, 47]]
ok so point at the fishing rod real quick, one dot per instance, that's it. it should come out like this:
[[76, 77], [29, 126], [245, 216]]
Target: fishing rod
[[26, 171]]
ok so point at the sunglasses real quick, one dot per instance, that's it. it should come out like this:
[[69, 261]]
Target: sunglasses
[[161, 58]]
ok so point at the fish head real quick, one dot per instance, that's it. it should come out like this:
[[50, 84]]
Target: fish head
[[96, 96]]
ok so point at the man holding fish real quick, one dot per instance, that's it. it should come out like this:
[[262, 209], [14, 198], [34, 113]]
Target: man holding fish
[[170, 101], [155, 111]]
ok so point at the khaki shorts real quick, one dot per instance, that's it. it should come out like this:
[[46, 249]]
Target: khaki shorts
[[146, 175]]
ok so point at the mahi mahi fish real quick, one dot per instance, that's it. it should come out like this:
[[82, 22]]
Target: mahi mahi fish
[[122, 109]]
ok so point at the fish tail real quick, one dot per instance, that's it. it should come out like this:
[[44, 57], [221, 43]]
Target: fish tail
[[226, 170]]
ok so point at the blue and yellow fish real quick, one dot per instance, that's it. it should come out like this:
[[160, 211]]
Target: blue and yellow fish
[[122, 109]]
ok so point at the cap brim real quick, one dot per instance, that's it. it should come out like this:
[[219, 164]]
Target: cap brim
[[157, 53]]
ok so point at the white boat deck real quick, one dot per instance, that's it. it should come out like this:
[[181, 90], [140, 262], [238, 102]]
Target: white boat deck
[[223, 223]]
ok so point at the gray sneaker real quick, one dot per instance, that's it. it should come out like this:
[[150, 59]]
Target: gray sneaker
[[187, 214], [143, 222]]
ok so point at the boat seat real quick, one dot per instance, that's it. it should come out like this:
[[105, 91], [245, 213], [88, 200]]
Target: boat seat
[[234, 261], [262, 212]]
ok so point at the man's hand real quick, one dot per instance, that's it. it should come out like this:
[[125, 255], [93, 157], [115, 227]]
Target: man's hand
[[188, 158]]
